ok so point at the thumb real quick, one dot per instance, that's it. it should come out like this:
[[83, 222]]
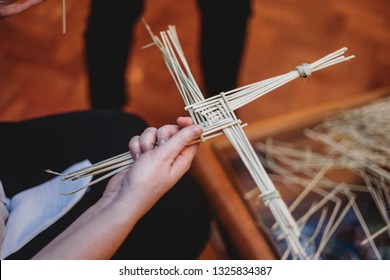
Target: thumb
[[173, 147]]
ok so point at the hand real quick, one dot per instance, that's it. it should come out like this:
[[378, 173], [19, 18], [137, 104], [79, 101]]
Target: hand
[[13, 7], [156, 168], [129, 194]]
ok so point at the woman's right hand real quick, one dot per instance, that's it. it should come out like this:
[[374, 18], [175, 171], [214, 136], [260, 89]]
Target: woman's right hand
[[156, 168]]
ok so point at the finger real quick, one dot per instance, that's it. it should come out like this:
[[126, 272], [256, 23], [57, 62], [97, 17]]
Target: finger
[[165, 132], [12, 8], [148, 139], [184, 121], [6, 2], [183, 161], [135, 147], [180, 140]]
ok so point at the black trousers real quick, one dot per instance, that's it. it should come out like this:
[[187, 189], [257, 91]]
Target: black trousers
[[109, 35], [177, 227]]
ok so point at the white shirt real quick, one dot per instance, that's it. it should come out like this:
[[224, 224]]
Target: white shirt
[[30, 212], [4, 214]]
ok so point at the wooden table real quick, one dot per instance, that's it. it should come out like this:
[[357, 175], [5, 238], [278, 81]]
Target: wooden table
[[220, 181]]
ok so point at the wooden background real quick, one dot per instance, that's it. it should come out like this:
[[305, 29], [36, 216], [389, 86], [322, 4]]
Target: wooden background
[[42, 71]]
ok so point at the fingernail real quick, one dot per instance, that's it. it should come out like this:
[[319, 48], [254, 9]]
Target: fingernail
[[137, 155], [197, 130], [161, 142]]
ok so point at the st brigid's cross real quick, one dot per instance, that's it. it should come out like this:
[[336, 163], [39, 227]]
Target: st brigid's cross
[[216, 116]]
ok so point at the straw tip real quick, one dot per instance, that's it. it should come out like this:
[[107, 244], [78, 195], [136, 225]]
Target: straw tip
[[53, 172], [144, 22]]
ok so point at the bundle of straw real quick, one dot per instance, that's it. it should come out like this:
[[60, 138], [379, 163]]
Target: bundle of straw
[[355, 141]]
